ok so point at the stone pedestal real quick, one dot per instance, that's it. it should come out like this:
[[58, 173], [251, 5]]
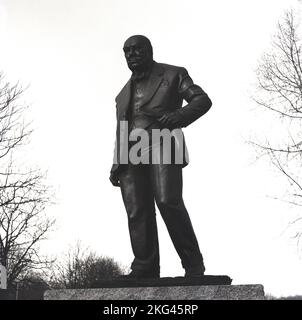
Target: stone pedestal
[[204, 288], [238, 292]]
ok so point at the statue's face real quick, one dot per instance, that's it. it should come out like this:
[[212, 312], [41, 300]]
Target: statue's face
[[137, 52]]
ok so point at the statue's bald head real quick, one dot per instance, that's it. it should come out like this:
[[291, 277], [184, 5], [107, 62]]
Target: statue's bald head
[[138, 52]]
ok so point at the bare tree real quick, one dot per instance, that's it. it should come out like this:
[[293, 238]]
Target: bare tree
[[13, 129], [23, 192], [279, 91], [82, 268]]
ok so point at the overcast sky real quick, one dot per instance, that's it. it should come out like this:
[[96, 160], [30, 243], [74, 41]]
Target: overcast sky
[[70, 52]]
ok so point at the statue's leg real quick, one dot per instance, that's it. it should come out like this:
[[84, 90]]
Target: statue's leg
[[167, 187], [139, 203]]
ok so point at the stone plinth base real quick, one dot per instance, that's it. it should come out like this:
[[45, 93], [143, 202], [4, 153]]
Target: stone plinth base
[[172, 292]]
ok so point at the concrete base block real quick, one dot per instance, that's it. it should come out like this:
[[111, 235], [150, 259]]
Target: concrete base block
[[205, 292]]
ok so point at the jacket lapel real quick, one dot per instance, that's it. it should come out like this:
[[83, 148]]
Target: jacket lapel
[[153, 83]]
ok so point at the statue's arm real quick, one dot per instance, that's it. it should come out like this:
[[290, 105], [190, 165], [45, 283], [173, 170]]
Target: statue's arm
[[113, 172], [198, 101]]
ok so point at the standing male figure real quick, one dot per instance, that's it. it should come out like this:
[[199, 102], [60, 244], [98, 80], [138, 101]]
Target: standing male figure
[[152, 99]]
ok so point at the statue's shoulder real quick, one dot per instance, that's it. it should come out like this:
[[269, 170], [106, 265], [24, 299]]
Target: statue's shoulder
[[169, 68]]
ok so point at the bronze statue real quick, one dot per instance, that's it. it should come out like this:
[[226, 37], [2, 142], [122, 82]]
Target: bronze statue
[[152, 100]]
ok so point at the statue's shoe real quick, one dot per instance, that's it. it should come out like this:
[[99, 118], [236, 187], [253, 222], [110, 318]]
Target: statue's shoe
[[140, 274], [195, 272]]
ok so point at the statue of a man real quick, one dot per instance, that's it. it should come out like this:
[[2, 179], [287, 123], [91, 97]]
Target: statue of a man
[[152, 100]]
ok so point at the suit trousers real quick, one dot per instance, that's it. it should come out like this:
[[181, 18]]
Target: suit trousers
[[142, 186]]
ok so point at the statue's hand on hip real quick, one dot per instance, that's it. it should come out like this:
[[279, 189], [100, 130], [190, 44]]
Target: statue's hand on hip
[[171, 120]]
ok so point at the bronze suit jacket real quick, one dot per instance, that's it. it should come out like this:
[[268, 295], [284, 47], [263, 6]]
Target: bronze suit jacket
[[167, 86]]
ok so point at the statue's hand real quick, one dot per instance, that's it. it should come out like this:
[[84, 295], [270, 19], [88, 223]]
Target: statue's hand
[[171, 120], [114, 180]]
